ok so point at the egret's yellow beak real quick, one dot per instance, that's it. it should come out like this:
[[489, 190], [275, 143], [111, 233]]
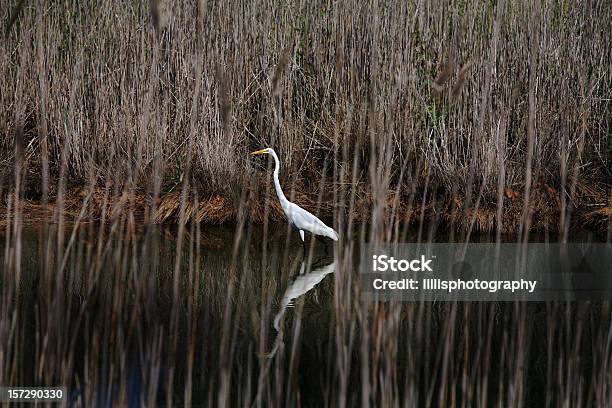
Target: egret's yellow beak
[[262, 151]]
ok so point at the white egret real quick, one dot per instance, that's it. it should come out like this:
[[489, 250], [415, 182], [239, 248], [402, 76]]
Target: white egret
[[299, 217]]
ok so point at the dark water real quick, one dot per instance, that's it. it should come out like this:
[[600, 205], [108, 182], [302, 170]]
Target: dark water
[[133, 301], [239, 319]]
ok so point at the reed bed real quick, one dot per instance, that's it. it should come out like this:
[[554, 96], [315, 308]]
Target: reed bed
[[396, 122], [452, 97]]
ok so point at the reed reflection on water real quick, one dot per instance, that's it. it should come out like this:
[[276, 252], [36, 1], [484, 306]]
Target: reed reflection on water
[[247, 318]]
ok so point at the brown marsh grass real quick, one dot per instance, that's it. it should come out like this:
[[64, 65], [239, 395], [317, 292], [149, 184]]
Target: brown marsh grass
[[463, 118], [446, 98]]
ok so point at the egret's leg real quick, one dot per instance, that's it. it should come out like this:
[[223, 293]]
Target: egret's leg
[[303, 242]]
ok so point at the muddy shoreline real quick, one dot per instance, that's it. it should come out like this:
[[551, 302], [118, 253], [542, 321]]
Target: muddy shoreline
[[589, 211]]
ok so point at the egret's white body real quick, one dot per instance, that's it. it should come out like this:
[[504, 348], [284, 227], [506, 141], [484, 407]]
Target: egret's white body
[[302, 219]]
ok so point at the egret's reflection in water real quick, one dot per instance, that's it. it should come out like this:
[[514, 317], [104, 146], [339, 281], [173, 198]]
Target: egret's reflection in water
[[304, 282]]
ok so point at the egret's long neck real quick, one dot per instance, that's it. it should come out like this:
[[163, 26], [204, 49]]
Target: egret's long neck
[[279, 191]]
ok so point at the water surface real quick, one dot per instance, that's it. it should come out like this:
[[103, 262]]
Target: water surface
[[248, 318]]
